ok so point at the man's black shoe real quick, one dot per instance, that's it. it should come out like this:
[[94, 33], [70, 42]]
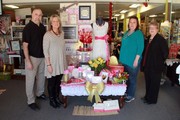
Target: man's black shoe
[[43, 97], [144, 99], [33, 106], [149, 103]]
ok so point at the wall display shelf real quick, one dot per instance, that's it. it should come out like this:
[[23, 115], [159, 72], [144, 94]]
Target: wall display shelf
[[176, 31], [16, 32], [165, 29], [16, 35], [45, 20]]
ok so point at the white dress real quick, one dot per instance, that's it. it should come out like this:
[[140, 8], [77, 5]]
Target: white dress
[[100, 44]]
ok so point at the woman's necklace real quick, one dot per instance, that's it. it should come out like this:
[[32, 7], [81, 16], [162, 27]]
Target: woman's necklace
[[130, 32], [55, 33], [150, 39]]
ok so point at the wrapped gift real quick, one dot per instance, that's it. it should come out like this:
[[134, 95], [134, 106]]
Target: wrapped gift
[[113, 65], [66, 76], [96, 79], [89, 75], [109, 105], [98, 107], [104, 76], [75, 73]]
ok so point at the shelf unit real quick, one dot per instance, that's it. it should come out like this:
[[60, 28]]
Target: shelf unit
[[16, 32], [165, 29], [176, 31]]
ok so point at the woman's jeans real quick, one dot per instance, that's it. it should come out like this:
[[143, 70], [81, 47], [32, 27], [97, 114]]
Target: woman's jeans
[[131, 82]]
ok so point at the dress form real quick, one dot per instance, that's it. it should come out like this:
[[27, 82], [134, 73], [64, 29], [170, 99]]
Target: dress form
[[100, 44], [100, 21]]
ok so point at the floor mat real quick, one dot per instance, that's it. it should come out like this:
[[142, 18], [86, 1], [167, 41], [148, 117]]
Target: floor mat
[[88, 111]]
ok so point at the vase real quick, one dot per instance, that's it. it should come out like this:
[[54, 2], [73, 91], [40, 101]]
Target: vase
[[85, 46], [96, 73]]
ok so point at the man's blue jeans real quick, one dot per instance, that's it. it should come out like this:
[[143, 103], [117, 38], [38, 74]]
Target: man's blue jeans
[[131, 82]]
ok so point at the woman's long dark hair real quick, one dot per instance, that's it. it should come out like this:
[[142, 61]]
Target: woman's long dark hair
[[134, 17]]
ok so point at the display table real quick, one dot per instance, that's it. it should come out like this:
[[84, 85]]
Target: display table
[[171, 65], [170, 62], [79, 90]]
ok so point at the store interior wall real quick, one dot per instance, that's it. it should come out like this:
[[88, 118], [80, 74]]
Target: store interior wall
[[101, 8]]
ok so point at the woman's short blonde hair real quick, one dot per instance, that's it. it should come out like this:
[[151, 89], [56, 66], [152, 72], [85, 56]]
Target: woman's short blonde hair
[[154, 23], [50, 22]]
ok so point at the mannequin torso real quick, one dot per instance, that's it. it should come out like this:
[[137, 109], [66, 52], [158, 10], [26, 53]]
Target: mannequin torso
[[100, 41], [100, 21]]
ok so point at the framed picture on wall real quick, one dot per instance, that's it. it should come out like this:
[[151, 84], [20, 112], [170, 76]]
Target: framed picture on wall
[[1, 7], [72, 19], [15, 45], [84, 12], [64, 17]]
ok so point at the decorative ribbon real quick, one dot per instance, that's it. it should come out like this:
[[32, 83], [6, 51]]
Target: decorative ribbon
[[105, 37], [94, 89], [110, 21]]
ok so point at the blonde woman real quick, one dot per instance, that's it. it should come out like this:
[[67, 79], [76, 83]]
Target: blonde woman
[[156, 53], [55, 60]]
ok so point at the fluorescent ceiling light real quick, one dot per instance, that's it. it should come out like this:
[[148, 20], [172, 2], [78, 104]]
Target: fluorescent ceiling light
[[123, 11], [153, 16], [134, 6], [12, 6], [171, 13], [117, 15], [111, 17]]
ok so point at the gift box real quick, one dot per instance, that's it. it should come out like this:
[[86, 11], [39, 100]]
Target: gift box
[[5, 75], [119, 68], [109, 105]]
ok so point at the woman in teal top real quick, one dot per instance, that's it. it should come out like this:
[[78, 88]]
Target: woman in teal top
[[130, 54]]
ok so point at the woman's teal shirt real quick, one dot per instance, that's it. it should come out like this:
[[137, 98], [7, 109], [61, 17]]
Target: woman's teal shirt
[[131, 46]]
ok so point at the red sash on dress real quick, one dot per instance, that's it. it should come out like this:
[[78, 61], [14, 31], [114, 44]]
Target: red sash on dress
[[105, 37]]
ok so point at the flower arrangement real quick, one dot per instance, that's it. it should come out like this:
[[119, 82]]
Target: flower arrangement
[[97, 65], [85, 36], [121, 77]]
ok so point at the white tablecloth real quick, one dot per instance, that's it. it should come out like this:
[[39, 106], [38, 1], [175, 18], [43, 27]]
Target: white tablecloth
[[178, 72], [170, 62], [79, 90]]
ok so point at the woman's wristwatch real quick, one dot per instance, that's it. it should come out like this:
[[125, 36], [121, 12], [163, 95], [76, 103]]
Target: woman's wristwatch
[[49, 65]]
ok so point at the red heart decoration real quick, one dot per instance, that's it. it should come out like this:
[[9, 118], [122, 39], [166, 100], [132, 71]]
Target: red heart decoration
[[145, 4]]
